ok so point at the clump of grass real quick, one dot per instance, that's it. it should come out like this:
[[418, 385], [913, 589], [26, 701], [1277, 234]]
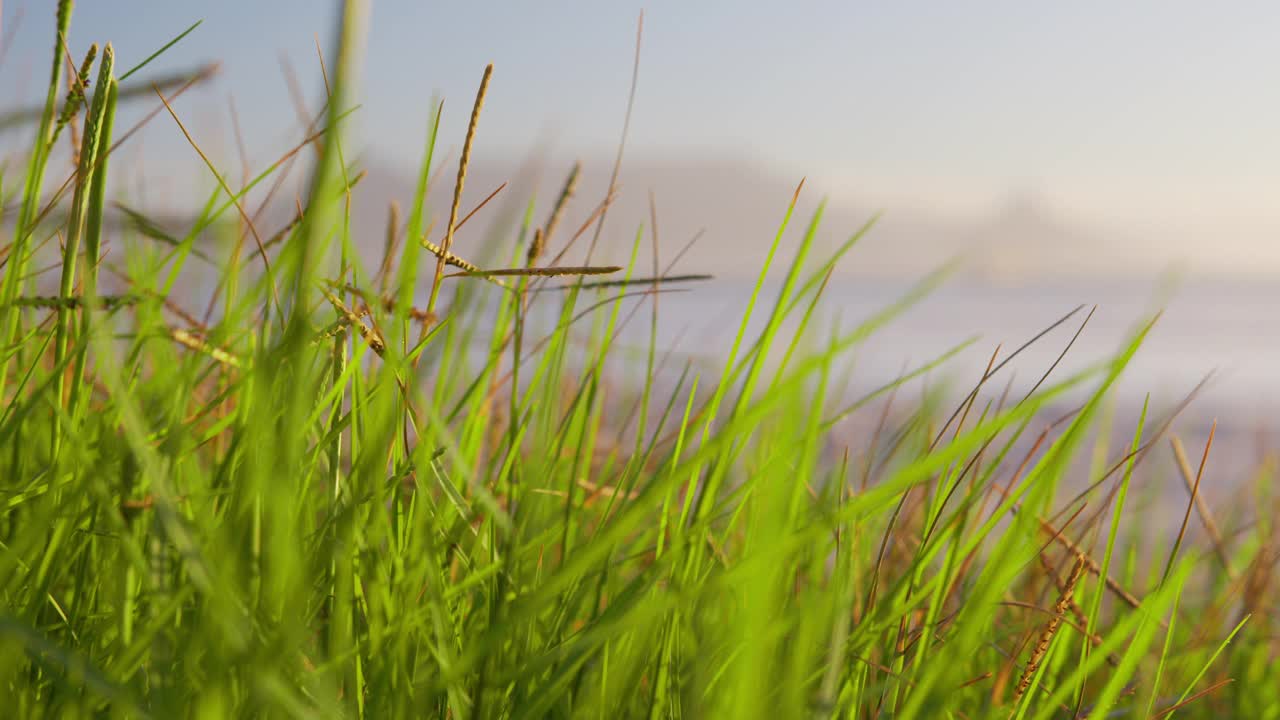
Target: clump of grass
[[360, 509]]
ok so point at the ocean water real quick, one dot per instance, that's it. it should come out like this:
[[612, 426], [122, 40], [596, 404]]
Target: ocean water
[[1227, 329]]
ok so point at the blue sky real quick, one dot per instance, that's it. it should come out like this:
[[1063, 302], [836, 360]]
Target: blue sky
[[1135, 112]]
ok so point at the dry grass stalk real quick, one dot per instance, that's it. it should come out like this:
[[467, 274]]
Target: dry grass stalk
[[542, 271], [1050, 629], [253, 230], [1195, 493], [1202, 507], [1211, 689], [647, 280], [479, 206], [389, 249], [622, 141]]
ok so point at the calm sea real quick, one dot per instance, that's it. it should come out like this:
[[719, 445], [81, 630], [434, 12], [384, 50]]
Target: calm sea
[[1229, 329]]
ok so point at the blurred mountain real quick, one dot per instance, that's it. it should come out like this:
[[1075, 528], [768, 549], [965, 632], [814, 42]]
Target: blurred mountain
[[1025, 239], [737, 204]]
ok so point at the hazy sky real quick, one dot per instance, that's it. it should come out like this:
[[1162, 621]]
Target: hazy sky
[[1164, 113]]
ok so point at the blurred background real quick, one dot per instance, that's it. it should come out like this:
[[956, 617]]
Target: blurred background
[[1079, 137], [1124, 155]]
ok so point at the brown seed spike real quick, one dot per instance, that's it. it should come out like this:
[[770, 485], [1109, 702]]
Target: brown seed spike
[[1050, 629], [371, 336], [535, 247], [74, 101], [570, 186], [449, 258], [457, 188], [75, 93]]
